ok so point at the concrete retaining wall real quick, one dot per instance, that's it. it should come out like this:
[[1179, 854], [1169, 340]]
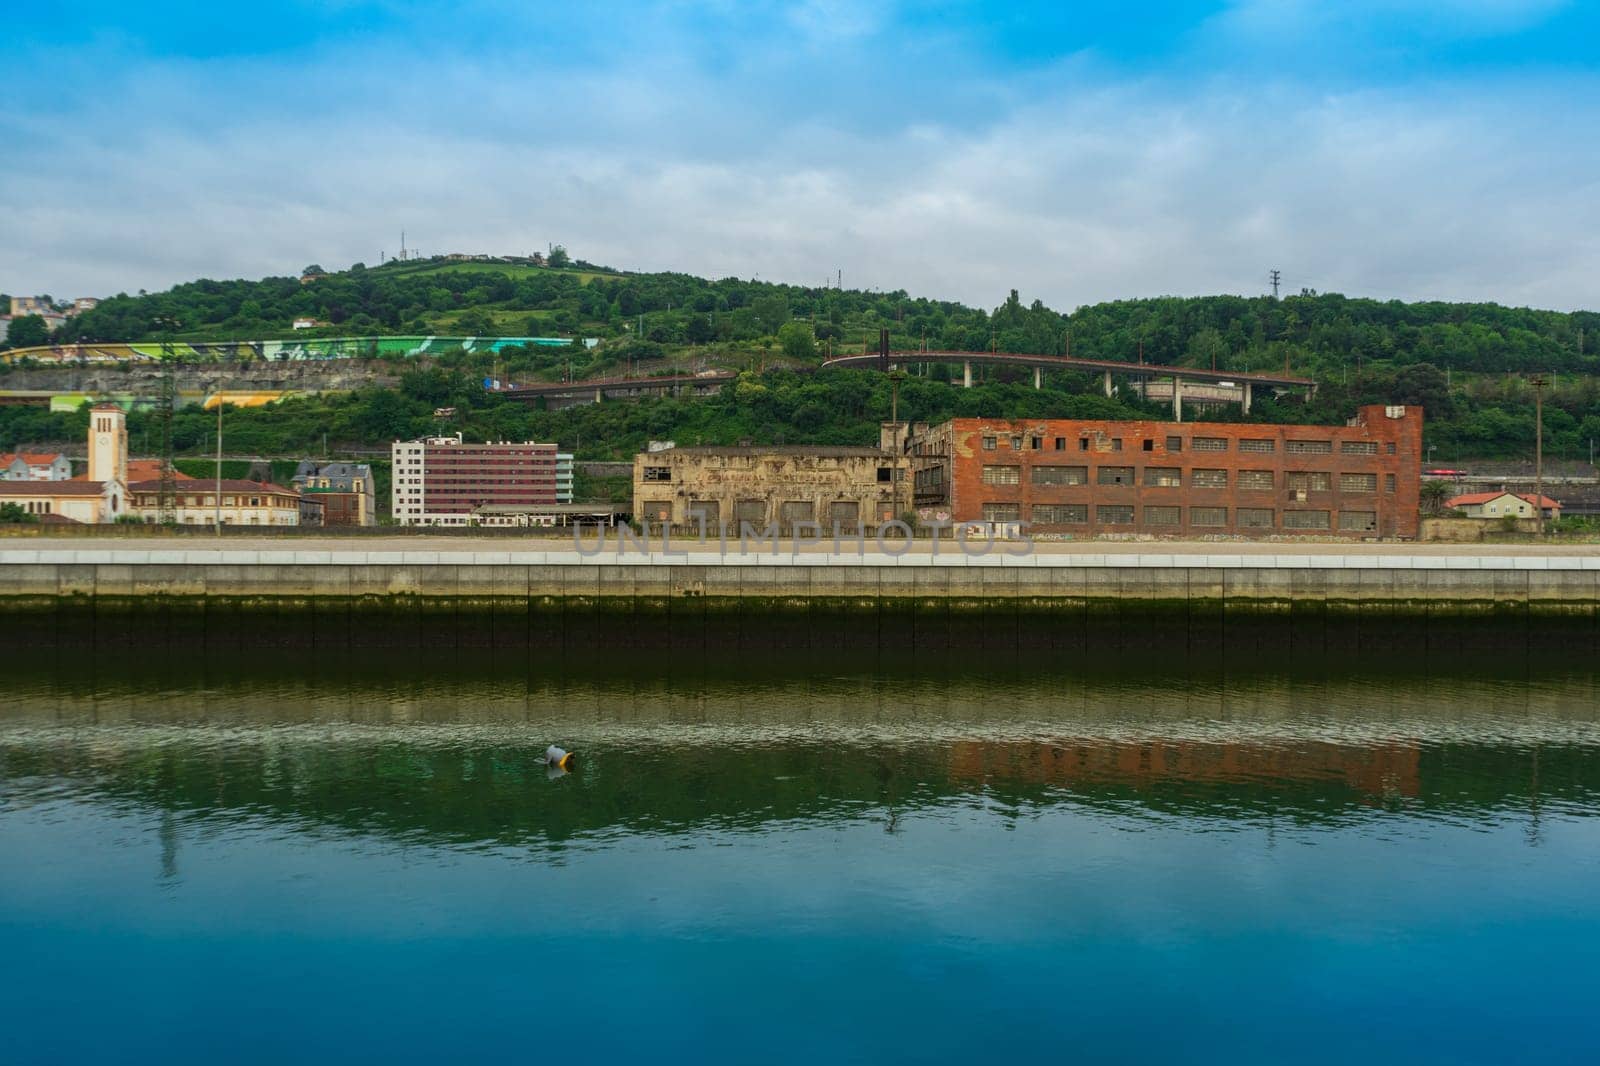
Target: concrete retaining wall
[[1556, 582]]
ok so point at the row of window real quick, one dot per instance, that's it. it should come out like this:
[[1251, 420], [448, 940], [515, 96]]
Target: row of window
[[843, 513], [1077, 514], [152, 500], [1198, 444], [1171, 477]]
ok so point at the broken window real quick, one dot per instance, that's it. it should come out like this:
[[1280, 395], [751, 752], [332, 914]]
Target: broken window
[[1149, 445], [1209, 444], [658, 511], [1060, 475], [1036, 443], [1358, 447], [1161, 516], [752, 513], [1115, 475], [1358, 482], [1002, 475], [1257, 444], [1208, 479], [1308, 447], [1174, 444], [708, 511], [989, 444], [1061, 444], [1002, 512], [658, 473], [1113, 515], [1305, 520], [1016, 442], [1358, 521], [844, 515], [1255, 480], [1163, 477], [1309, 480], [1083, 444], [1208, 517], [885, 473], [793, 512], [1060, 514], [1255, 518]]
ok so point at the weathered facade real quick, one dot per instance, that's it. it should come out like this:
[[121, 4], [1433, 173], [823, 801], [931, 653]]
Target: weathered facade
[[344, 489], [855, 489], [1192, 479]]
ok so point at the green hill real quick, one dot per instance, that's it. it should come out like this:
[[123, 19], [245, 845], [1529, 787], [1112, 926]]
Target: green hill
[[1465, 362]]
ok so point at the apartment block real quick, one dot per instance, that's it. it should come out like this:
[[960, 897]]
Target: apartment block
[[444, 481], [1167, 479]]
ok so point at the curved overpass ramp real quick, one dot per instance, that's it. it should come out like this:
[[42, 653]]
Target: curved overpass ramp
[[1230, 386]]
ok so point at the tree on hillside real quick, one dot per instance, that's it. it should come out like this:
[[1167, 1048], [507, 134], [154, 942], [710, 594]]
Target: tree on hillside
[[558, 257], [797, 341], [28, 331], [770, 312]]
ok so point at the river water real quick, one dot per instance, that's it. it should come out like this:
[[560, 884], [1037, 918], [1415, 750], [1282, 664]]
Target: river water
[[799, 861]]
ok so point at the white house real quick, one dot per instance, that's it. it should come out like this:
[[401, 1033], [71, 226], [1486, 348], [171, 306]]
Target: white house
[[34, 466]]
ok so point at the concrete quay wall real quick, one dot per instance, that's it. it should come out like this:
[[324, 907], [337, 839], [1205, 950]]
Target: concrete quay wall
[[1557, 582]]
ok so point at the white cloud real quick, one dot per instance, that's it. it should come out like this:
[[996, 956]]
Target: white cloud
[[1082, 194]]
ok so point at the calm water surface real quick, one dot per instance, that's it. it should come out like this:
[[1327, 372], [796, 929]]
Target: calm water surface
[[799, 865]]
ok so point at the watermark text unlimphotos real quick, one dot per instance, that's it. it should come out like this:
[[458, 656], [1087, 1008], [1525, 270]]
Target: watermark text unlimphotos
[[890, 538]]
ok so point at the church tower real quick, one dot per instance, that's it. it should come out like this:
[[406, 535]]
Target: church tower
[[108, 443]]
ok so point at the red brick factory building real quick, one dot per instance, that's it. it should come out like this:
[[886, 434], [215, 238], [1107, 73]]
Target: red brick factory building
[[1190, 479]]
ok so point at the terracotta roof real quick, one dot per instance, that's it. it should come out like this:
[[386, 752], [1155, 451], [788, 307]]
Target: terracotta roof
[[150, 470], [31, 458], [54, 519], [105, 405], [52, 488], [201, 484], [1472, 499]]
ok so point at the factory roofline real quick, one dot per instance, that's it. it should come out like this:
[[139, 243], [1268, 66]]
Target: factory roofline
[[827, 451]]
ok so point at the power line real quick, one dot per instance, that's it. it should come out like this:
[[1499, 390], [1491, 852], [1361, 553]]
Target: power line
[[1276, 277]]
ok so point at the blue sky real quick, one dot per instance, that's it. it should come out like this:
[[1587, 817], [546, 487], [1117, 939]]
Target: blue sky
[[1443, 149]]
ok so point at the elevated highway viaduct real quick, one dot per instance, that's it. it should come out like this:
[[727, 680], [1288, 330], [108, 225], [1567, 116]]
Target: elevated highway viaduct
[[1244, 383]]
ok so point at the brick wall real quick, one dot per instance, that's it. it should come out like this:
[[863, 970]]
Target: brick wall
[[1190, 479]]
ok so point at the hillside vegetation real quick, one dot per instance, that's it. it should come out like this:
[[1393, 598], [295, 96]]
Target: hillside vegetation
[[1466, 363]]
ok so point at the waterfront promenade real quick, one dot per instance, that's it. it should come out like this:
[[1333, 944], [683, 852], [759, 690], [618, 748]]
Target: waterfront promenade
[[238, 567]]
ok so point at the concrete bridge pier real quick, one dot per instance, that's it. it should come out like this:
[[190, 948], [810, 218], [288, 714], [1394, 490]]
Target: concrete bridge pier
[[1177, 399], [1038, 376], [1246, 402], [966, 373], [1108, 384]]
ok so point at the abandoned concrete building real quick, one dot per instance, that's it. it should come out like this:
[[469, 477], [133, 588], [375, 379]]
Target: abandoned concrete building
[[728, 488], [1193, 479]]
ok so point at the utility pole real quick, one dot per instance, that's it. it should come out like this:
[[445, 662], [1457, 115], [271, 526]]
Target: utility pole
[[1538, 381], [1276, 277], [167, 500], [219, 463]]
